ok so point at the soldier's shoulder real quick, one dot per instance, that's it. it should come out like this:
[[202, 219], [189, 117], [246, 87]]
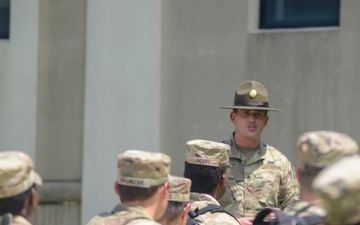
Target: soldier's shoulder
[[220, 218], [119, 218], [303, 209], [19, 220], [143, 222], [276, 154]]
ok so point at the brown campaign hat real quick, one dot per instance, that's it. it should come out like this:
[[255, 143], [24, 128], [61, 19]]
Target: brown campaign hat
[[251, 95]]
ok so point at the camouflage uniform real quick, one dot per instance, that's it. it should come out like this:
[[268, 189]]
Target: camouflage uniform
[[317, 150], [265, 180], [136, 169], [208, 153], [302, 209], [16, 177], [268, 178], [123, 214], [17, 220], [338, 187], [199, 200]]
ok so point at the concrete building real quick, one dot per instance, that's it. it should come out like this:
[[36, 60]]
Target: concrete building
[[81, 81]]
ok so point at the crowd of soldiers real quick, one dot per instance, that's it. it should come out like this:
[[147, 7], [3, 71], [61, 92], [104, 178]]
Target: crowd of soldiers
[[227, 182]]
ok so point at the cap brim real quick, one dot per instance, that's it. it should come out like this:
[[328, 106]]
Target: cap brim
[[36, 178], [250, 107]]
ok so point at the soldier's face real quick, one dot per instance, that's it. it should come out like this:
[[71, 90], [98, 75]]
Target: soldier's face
[[249, 123]]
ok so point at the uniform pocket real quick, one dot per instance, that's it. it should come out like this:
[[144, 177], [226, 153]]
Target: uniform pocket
[[270, 189]]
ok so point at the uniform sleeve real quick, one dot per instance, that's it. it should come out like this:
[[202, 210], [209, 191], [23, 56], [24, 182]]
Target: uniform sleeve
[[289, 186]]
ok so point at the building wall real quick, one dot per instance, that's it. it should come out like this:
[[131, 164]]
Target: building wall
[[18, 83], [82, 81], [122, 92], [210, 46], [41, 100], [60, 109]]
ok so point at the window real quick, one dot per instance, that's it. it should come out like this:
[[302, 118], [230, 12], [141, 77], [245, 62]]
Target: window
[[4, 19], [299, 13]]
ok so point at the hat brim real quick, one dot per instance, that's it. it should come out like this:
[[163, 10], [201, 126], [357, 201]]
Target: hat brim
[[250, 107], [36, 178]]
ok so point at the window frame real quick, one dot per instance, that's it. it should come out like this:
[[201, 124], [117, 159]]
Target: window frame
[[267, 18], [5, 19]]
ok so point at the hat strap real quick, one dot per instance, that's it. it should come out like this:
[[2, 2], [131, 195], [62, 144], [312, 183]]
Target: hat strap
[[248, 103]]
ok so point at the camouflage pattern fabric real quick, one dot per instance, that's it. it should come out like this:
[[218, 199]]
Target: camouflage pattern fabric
[[338, 187], [8, 219], [207, 153], [318, 149], [267, 179], [302, 209], [19, 220], [198, 200], [123, 214], [16, 173], [179, 189], [138, 168]]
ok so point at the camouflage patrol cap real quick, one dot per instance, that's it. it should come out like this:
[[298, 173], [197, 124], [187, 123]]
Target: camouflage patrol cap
[[16, 173], [338, 187], [251, 95], [207, 153], [318, 149], [138, 168], [179, 189]]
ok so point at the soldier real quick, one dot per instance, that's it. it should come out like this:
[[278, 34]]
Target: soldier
[[205, 165], [178, 204], [142, 185], [338, 187], [18, 188], [261, 176], [317, 150]]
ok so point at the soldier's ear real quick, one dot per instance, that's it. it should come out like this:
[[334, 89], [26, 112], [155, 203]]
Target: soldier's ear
[[183, 216], [232, 117], [223, 180], [116, 188], [164, 190], [30, 204]]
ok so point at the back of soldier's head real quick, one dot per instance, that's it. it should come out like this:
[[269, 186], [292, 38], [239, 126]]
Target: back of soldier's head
[[140, 173], [319, 149], [179, 196], [206, 163], [338, 188], [17, 178]]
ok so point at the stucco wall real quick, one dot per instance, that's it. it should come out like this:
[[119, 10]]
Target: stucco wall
[[122, 93]]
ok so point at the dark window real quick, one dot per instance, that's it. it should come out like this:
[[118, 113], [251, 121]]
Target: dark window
[[299, 13], [4, 19]]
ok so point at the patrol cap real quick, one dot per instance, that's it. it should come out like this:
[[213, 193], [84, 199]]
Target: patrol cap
[[179, 189], [338, 187], [144, 169], [318, 149], [251, 95], [16, 173], [207, 153]]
